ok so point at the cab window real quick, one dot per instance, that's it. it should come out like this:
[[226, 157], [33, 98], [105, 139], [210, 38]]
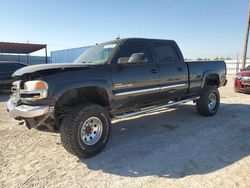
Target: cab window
[[135, 47], [165, 52]]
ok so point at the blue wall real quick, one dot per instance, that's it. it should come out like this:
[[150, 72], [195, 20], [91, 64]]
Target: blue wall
[[67, 55], [32, 60]]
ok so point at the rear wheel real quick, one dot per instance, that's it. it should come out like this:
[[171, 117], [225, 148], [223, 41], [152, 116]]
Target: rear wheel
[[209, 101], [85, 130]]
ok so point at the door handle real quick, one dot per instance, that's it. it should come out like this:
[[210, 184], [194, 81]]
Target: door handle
[[179, 69], [153, 70]]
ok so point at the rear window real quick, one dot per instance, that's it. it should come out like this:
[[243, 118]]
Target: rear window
[[165, 52]]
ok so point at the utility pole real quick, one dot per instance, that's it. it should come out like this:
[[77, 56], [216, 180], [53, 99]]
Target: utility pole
[[238, 63], [246, 39]]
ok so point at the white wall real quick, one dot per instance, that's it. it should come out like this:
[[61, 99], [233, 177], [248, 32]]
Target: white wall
[[233, 66]]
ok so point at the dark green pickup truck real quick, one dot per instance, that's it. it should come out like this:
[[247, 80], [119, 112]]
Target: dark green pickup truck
[[116, 79]]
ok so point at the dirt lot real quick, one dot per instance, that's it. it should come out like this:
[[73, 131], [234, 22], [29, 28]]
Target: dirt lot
[[176, 148]]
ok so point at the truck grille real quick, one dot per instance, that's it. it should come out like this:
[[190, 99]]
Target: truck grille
[[15, 91]]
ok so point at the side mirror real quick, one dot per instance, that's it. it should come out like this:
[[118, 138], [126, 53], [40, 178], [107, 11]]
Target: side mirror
[[123, 60], [134, 58], [138, 58]]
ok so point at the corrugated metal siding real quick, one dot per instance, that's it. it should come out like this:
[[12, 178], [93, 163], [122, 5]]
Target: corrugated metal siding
[[23, 58], [67, 55]]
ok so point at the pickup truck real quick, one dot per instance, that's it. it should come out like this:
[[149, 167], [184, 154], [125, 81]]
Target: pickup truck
[[116, 79], [7, 68]]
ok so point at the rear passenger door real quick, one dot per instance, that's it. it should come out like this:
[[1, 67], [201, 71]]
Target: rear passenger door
[[173, 70]]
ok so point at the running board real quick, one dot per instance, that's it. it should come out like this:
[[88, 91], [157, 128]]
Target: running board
[[154, 108]]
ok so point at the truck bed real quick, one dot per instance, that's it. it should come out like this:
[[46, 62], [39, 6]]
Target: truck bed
[[199, 69]]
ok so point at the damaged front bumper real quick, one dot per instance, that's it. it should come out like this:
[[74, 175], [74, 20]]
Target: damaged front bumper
[[25, 111]]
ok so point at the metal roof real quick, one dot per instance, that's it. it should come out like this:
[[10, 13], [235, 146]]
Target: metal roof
[[20, 48]]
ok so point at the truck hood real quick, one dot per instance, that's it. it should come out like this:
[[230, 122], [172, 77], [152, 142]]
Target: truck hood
[[245, 73], [51, 67]]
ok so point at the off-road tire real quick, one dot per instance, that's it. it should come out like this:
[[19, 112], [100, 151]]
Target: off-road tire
[[70, 130], [202, 104]]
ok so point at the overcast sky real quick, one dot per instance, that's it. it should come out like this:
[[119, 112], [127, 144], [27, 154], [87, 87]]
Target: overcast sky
[[202, 28]]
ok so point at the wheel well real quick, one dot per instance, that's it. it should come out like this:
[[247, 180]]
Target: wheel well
[[73, 97], [212, 80]]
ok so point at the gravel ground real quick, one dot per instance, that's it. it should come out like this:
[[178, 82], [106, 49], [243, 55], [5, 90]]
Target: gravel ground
[[175, 148]]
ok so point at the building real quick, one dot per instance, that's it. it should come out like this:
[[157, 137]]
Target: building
[[30, 60], [20, 52], [67, 55]]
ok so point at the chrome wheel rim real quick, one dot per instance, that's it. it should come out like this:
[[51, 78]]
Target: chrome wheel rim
[[212, 101], [91, 131]]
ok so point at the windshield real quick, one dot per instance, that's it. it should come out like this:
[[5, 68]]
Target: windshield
[[248, 68], [97, 54]]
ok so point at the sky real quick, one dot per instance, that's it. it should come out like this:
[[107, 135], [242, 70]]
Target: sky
[[202, 28]]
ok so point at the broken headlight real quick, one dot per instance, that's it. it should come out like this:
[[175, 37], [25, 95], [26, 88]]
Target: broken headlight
[[34, 90], [238, 76]]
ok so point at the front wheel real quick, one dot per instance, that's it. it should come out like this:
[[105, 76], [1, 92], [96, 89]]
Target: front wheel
[[85, 130], [209, 101]]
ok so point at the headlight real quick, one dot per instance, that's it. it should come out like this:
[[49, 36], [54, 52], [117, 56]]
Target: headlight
[[34, 90], [238, 76], [35, 85]]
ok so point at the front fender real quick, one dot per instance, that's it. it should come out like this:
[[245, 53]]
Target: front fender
[[61, 89]]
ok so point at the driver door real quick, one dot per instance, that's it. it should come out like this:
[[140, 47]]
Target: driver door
[[134, 84]]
